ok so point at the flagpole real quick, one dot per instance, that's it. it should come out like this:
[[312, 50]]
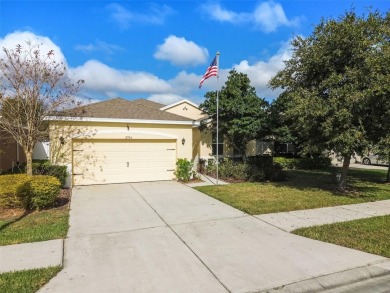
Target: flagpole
[[217, 115]]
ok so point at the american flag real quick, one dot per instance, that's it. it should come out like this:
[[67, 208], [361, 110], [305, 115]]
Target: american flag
[[212, 70]]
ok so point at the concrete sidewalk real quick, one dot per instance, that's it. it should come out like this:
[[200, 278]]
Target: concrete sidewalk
[[167, 237], [31, 255], [289, 221]]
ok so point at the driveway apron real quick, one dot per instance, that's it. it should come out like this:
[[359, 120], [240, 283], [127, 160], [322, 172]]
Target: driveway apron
[[167, 237]]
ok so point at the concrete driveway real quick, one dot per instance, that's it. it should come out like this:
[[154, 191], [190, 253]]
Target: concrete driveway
[[167, 237]]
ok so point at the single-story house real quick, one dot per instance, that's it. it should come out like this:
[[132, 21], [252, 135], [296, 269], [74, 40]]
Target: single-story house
[[118, 140]]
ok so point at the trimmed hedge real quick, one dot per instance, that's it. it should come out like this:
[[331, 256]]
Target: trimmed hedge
[[14, 191], [44, 191], [262, 168], [28, 192], [44, 167], [259, 168], [305, 163]]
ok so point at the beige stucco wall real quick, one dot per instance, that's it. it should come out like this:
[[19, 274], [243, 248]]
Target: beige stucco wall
[[105, 130], [205, 149], [186, 110]]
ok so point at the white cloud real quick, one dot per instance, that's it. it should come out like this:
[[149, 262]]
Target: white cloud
[[102, 78], [156, 15], [179, 51], [99, 46], [261, 72], [11, 40], [102, 81], [216, 12], [270, 15], [165, 99], [184, 82], [267, 16]]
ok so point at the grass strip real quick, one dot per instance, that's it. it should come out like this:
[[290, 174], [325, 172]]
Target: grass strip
[[301, 190], [370, 235], [37, 226], [26, 281]]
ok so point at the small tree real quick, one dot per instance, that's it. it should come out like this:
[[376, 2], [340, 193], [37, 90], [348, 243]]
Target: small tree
[[241, 112], [331, 84], [33, 87]]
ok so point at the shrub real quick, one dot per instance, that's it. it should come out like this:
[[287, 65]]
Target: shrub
[[229, 169], [260, 168], [305, 163], [285, 163], [257, 168], [43, 167], [211, 168], [314, 163], [15, 191], [202, 165], [28, 192], [183, 170], [44, 191]]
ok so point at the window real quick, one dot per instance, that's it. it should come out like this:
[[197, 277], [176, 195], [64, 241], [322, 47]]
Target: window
[[220, 144]]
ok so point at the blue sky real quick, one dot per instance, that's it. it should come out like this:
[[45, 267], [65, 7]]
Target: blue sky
[[160, 50]]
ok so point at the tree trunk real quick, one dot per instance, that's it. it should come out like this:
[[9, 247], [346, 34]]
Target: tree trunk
[[29, 170], [388, 169], [344, 173], [243, 156]]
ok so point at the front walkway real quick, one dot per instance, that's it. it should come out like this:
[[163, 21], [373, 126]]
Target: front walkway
[[289, 221], [206, 180]]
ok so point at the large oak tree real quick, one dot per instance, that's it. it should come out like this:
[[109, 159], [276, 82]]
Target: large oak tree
[[335, 80]]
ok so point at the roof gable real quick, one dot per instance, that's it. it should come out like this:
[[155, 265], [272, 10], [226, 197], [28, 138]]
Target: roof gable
[[184, 101]]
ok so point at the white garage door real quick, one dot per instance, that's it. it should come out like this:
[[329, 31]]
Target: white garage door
[[118, 161]]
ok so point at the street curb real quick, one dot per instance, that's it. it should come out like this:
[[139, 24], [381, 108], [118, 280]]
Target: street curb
[[335, 280]]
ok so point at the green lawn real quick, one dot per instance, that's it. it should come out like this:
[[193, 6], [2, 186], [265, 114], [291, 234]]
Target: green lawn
[[302, 190], [26, 281], [370, 235], [33, 227]]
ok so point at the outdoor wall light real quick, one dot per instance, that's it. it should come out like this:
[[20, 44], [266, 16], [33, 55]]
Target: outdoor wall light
[[62, 140], [183, 141]]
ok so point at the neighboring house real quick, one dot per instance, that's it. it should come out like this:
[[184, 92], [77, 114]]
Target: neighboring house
[[132, 141], [11, 153]]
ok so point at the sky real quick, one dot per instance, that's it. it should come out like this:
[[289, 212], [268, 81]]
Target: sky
[[160, 50]]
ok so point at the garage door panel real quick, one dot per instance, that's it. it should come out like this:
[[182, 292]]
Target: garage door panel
[[105, 161]]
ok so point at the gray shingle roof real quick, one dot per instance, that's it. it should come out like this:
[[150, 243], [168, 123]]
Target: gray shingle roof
[[124, 109], [148, 103]]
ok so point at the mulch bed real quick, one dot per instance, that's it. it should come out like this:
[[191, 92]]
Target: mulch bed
[[229, 180], [63, 199]]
